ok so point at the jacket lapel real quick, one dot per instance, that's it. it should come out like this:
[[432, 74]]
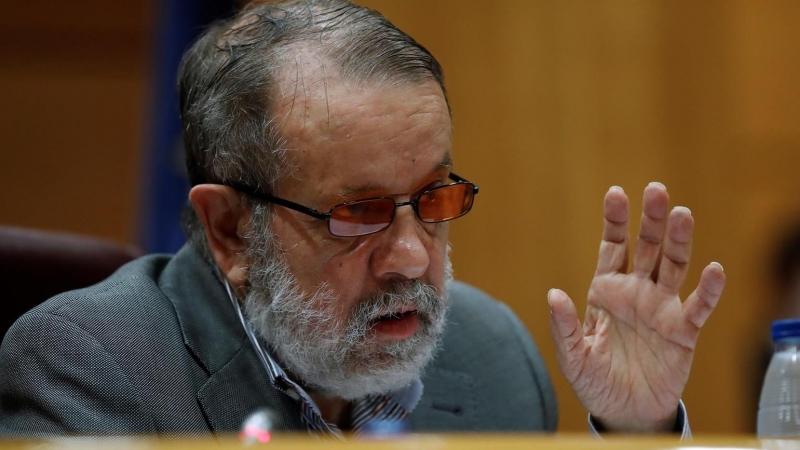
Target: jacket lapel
[[448, 402], [237, 383], [241, 388]]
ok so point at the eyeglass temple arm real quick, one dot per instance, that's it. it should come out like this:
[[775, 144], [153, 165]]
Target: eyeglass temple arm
[[458, 179], [249, 190]]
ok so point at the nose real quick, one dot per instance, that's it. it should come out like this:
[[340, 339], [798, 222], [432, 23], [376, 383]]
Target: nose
[[401, 251]]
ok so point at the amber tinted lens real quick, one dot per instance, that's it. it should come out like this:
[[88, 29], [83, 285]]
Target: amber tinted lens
[[446, 202], [361, 217]]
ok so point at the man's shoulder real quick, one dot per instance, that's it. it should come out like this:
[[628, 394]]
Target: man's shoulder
[[469, 296], [127, 317], [478, 325], [488, 373], [115, 349], [125, 291], [472, 309], [130, 304]]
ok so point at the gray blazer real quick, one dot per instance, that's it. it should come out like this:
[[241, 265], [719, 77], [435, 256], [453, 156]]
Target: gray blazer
[[157, 348]]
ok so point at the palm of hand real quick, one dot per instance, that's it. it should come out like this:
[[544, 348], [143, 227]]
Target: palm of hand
[[629, 361]]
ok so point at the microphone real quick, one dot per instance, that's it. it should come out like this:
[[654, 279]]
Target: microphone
[[258, 427]]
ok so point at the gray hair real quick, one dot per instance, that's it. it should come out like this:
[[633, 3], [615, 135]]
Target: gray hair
[[228, 75]]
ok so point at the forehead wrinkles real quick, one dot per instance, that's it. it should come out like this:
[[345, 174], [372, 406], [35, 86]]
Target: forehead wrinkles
[[340, 112], [303, 71], [315, 108], [309, 87]]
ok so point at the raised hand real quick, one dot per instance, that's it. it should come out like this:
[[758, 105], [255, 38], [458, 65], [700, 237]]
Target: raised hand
[[629, 361]]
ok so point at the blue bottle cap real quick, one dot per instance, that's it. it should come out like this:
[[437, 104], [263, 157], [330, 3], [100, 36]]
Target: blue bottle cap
[[785, 329]]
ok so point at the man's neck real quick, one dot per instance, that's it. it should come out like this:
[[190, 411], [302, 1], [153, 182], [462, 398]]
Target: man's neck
[[333, 410]]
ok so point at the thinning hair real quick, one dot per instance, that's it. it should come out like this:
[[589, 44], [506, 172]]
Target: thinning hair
[[229, 75]]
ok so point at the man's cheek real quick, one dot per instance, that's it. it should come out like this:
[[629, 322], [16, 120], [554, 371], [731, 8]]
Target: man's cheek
[[438, 267]]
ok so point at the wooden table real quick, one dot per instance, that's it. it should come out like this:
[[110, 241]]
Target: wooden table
[[420, 441]]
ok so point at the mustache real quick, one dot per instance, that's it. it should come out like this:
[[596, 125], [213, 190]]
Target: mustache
[[400, 294], [423, 297]]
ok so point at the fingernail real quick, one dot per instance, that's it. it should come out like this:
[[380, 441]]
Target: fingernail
[[657, 184], [550, 302], [684, 209], [616, 188], [718, 265]]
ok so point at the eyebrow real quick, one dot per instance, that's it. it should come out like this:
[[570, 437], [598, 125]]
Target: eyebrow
[[354, 191]]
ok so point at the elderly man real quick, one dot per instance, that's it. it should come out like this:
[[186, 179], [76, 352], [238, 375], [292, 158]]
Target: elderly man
[[317, 281]]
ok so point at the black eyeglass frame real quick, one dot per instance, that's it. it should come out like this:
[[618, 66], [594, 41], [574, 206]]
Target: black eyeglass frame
[[249, 190]]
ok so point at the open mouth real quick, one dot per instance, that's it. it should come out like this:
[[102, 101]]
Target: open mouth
[[398, 313], [398, 324], [394, 316]]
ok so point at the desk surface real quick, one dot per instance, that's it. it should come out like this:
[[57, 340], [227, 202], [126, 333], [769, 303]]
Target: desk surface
[[422, 442]]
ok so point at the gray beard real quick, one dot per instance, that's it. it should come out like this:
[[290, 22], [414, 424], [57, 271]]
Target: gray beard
[[333, 356]]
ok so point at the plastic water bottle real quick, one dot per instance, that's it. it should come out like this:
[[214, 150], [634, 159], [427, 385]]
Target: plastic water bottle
[[779, 407]]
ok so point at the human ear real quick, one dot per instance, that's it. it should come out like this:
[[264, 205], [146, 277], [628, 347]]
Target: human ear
[[225, 220]]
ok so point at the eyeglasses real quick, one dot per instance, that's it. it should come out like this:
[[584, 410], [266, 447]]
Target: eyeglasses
[[367, 216]]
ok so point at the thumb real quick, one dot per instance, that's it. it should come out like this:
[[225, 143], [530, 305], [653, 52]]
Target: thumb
[[567, 333]]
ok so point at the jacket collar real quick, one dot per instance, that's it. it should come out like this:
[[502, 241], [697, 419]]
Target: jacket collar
[[211, 330], [237, 383]]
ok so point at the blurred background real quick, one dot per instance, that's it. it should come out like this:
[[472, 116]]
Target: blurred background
[[554, 102]]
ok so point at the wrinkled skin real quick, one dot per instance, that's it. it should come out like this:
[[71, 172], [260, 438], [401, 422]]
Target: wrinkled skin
[[630, 359]]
